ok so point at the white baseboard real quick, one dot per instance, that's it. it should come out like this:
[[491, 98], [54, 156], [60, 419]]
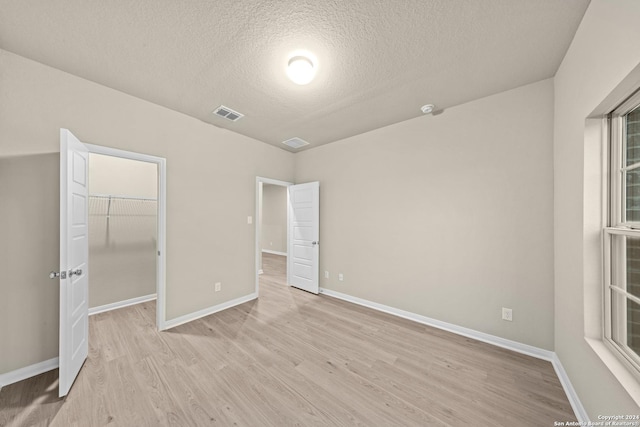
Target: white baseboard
[[574, 400], [518, 347], [28, 372], [207, 311], [460, 330], [120, 304], [266, 251]]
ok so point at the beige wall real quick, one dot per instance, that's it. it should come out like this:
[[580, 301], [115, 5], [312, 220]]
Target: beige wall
[[603, 52], [210, 192], [274, 218], [448, 216], [122, 247], [29, 241], [123, 177]]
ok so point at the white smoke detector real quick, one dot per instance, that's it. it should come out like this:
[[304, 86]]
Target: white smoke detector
[[427, 109]]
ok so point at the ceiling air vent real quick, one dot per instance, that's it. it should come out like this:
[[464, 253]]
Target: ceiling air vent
[[295, 142], [228, 113]]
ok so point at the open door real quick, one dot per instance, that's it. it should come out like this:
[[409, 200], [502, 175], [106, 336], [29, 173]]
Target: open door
[[304, 236], [74, 256]]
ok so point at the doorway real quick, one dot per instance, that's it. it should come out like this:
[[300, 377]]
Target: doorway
[[272, 242], [73, 346], [129, 229], [123, 211]]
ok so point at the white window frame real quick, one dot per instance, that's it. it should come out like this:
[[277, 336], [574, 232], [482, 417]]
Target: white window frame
[[618, 225]]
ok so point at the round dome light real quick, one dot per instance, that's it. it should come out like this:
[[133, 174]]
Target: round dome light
[[301, 70]]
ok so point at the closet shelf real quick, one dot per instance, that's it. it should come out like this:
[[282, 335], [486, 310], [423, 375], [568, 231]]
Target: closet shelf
[[121, 206], [112, 196]]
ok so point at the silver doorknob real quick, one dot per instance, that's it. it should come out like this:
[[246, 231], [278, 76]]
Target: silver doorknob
[[55, 275]]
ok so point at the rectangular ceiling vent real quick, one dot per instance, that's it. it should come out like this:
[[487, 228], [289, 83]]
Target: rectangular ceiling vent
[[228, 113], [295, 142]]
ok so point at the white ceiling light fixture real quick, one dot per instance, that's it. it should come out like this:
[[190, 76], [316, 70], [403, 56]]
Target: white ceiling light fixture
[[427, 109], [301, 68]]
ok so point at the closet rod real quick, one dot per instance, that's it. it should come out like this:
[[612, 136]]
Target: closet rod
[[111, 196]]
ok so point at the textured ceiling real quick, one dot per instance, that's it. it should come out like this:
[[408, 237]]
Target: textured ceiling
[[379, 60]]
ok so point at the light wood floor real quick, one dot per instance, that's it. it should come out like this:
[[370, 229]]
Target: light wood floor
[[289, 358]]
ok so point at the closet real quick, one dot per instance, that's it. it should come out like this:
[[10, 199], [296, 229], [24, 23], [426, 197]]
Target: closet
[[122, 231]]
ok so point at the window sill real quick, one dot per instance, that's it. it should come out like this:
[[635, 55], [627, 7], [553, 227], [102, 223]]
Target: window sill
[[617, 368]]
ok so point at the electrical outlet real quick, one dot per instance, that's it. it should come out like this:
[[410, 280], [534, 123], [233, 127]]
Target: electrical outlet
[[218, 286], [341, 277], [326, 274], [507, 314]]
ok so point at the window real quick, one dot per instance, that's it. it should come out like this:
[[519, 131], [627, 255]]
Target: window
[[622, 235]]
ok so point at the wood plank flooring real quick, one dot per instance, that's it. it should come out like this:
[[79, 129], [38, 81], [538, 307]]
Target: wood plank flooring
[[289, 358]]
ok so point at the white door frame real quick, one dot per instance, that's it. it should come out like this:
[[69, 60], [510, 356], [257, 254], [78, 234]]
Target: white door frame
[[261, 180], [162, 221]]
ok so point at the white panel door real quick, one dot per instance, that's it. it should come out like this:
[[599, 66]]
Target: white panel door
[[304, 236], [74, 257]]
